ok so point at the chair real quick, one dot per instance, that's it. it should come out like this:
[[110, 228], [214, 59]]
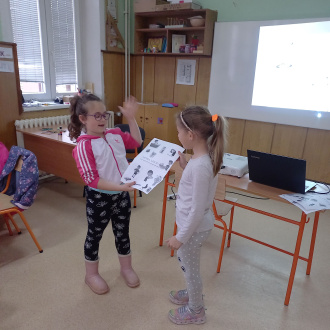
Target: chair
[[223, 210], [7, 209], [136, 151]]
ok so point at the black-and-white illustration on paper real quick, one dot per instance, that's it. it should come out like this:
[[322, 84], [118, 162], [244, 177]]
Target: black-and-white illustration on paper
[[151, 165]]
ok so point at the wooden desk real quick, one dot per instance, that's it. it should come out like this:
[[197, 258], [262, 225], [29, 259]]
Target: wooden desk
[[246, 185], [53, 152]]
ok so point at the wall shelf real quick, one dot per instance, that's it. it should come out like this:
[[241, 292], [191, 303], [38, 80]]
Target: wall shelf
[[204, 34]]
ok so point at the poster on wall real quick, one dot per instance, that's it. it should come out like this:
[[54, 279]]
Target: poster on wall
[[6, 66], [185, 74], [150, 166], [6, 52]]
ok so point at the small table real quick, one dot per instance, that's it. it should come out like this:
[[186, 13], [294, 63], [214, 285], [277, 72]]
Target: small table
[[53, 152], [246, 185]]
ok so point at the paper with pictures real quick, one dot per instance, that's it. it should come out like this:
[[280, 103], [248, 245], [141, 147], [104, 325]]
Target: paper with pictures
[[150, 166], [312, 201], [185, 74]]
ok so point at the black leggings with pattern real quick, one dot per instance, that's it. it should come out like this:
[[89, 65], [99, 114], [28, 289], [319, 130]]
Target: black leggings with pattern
[[102, 208]]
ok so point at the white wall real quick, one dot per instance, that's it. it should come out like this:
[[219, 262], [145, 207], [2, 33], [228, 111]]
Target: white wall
[[92, 41], [5, 22]]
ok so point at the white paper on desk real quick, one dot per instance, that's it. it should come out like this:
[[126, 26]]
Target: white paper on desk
[[150, 166], [309, 202]]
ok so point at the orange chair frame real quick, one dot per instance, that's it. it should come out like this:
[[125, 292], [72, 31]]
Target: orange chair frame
[[8, 214]]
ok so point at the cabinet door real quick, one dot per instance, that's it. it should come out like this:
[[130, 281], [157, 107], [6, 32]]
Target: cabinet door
[[139, 116], [154, 122]]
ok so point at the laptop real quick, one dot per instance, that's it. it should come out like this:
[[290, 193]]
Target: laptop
[[278, 171]]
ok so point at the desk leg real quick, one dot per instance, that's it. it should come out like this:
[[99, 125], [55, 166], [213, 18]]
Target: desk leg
[[311, 249], [295, 258], [230, 226], [164, 210]]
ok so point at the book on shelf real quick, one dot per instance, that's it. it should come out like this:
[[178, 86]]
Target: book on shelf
[[177, 41], [164, 45], [155, 42]]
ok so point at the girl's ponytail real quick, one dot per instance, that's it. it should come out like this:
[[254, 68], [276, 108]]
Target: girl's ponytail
[[218, 141]]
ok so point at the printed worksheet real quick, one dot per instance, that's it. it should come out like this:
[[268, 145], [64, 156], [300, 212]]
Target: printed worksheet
[[150, 166], [312, 201]]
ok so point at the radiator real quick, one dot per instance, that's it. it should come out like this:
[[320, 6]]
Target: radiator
[[48, 122]]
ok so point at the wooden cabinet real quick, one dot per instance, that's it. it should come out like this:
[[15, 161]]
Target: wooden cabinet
[[158, 122], [173, 20]]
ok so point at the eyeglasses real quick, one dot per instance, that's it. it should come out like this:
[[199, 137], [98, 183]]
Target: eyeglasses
[[99, 116]]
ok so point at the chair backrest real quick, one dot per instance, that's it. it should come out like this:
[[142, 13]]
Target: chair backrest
[[125, 128], [18, 168], [220, 193], [19, 164]]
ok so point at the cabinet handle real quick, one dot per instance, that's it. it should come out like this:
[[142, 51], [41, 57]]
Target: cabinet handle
[[147, 118]]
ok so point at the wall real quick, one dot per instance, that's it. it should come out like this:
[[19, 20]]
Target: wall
[[255, 10], [92, 41], [5, 22]]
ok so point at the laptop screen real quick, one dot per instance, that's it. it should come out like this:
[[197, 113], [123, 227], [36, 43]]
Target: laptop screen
[[277, 171]]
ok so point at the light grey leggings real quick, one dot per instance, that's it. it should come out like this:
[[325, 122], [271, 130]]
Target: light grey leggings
[[189, 258]]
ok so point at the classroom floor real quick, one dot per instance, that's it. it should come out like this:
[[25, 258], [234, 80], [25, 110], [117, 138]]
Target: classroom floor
[[47, 291]]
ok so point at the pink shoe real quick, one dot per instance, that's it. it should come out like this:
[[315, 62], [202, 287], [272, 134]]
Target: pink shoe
[[185, 315], [127, 272], [93, 279]]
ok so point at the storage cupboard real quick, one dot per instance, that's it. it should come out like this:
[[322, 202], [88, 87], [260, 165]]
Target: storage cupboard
[[158, 122]]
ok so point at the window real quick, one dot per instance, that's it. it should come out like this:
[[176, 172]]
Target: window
[[45, 34]]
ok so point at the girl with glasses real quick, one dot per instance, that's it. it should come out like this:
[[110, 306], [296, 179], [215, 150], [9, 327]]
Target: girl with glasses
[[100, 155]]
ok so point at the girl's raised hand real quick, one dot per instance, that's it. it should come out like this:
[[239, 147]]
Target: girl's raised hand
[[129, 108]]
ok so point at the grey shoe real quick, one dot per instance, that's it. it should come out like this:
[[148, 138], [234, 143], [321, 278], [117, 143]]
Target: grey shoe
[[185, 315], [179, 297]]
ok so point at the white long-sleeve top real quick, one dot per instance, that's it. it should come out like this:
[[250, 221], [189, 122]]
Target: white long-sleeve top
[[195, 197]]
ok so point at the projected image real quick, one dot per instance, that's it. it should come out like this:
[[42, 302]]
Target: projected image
[[293, 67]]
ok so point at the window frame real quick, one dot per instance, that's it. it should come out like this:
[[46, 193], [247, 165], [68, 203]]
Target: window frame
[[47, 53]]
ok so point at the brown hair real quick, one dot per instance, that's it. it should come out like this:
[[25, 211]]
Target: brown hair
[[77, 108], [198, 119]]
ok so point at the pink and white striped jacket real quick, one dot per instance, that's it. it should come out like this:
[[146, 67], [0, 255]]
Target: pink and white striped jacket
[[104, 158]]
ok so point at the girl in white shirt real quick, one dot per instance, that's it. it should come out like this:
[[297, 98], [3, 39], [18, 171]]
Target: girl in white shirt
[[206, 136]]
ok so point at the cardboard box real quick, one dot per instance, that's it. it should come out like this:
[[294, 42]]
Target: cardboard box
[[178, 6], [141, 6], [67, 99]]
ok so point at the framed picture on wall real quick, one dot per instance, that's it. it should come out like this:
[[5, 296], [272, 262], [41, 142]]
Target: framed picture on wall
[[177, 41]]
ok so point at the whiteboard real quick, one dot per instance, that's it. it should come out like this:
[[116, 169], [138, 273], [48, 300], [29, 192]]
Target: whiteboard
[[233, 66]]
